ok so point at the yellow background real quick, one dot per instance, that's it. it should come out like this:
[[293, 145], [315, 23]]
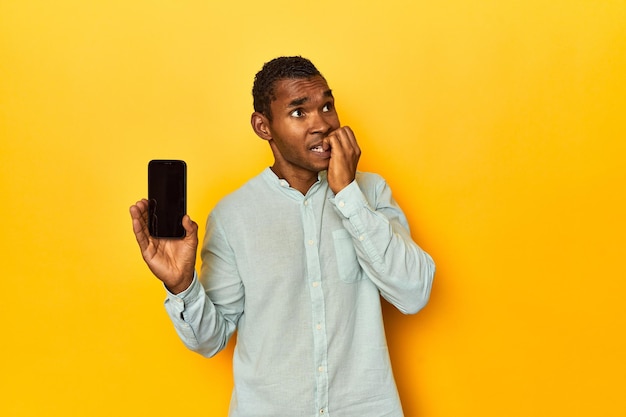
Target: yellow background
[[500, 126]]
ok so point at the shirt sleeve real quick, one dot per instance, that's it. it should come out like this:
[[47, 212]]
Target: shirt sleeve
[[205, 316], [401, 270]]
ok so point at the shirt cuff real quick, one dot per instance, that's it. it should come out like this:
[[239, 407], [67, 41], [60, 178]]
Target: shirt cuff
[[349, 200], [187, 296]]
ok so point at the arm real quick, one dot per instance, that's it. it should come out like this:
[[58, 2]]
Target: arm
[[400, 269], [202, 326], [206, 315]]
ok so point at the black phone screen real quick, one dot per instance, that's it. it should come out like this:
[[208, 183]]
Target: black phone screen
[[167, 198]]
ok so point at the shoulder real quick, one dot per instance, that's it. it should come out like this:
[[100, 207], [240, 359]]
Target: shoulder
[[240, 198], [369, 179], [375, 189], [370, 183]]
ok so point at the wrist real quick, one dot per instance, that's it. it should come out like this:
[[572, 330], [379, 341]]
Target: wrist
[[179, 287]]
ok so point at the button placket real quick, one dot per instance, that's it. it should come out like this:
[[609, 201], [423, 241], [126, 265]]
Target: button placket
[[314, 278]]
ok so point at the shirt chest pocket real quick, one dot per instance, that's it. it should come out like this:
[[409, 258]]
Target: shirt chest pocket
[[347, 263]]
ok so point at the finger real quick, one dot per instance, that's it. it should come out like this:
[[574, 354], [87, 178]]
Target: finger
[[139, 217], [136, 213], [141, 210], [334, 143], [348, 139], [343, 143], [339, 137]]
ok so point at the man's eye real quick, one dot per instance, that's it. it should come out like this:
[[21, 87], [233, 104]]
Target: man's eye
[[297, 113], [327, 107]]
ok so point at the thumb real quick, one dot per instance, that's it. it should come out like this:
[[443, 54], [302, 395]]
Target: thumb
[[189, 225]]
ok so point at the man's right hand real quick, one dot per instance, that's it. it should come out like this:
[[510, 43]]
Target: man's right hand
[[170, 260]]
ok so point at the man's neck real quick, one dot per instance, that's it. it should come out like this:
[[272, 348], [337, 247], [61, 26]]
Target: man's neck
[[297, 181]]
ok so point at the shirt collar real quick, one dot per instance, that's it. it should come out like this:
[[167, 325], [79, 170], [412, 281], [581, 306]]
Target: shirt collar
[[282, 184]]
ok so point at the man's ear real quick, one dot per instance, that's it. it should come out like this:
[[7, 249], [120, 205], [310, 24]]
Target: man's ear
[[261, 125]]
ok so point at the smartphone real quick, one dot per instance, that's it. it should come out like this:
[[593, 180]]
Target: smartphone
[[167, 198]]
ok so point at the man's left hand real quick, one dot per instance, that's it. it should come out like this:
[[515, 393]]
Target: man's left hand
[[344, 158]]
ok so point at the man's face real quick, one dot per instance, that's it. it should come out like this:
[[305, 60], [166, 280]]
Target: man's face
[[303, 114]]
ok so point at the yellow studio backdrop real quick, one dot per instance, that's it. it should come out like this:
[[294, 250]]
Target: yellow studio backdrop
[[500, 126]]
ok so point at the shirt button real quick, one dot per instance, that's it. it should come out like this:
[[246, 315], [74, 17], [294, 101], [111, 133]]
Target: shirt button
[[361, 238], [306, 202], [316, 284], [318, 327], [321, 369], [311, 242], [322, 411], [342, 204]]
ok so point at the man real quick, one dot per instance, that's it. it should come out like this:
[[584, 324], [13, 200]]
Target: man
[[296, 261]]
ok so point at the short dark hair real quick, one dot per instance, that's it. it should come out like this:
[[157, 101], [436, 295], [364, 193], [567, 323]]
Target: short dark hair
[[284, 67]]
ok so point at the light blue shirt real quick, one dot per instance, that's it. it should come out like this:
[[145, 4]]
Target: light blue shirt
[[299, 277]]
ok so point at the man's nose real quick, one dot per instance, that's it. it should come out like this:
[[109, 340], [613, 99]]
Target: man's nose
[[321, 123]]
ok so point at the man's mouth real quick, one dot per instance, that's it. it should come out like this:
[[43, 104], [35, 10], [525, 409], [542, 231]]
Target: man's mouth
[[322, 147]]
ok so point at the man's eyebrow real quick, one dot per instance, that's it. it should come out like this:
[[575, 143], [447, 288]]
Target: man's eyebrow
[[298, 102], [301, 100]]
